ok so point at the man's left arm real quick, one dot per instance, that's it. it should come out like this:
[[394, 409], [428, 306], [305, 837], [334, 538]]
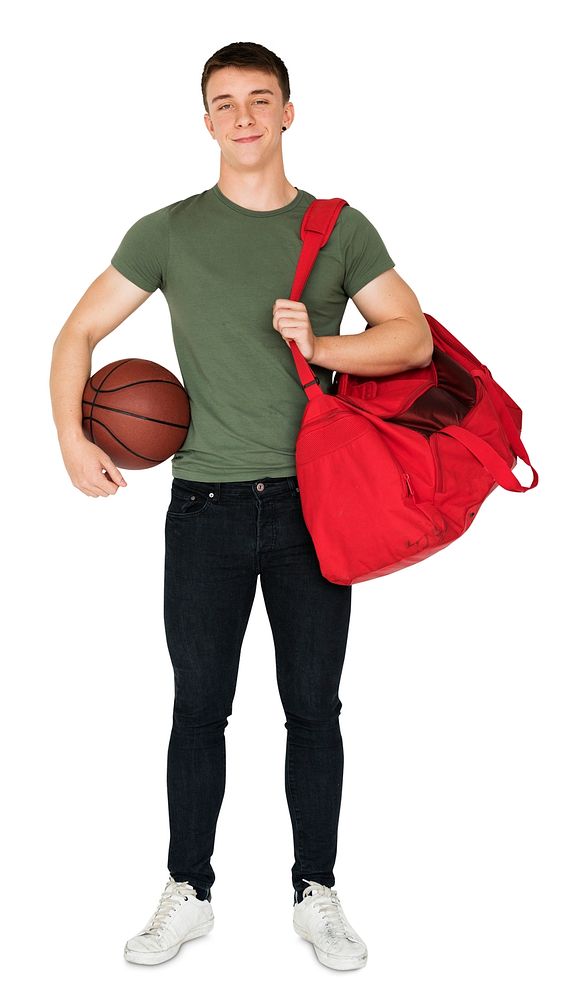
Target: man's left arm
[[398, 337]]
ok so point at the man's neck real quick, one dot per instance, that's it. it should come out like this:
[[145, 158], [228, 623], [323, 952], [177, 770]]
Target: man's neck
[[255, 192]]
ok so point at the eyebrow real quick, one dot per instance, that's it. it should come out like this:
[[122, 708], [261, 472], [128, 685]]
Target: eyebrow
[[221, 97]]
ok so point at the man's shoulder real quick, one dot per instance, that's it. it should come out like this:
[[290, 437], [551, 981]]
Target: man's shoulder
[[177, 207], [353, 224]]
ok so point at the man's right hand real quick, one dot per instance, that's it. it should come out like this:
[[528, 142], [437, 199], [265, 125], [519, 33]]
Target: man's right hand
[[91, 470]]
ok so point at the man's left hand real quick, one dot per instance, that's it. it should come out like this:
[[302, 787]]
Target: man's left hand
[[291, 320]]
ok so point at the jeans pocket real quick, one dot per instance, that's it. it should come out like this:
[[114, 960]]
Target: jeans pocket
[[187, 501]]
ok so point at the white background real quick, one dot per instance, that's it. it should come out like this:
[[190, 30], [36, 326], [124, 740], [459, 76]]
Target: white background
[[449, 126]]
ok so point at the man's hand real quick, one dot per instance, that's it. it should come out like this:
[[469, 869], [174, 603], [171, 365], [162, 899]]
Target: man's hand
[[85, 463], [291, 319]]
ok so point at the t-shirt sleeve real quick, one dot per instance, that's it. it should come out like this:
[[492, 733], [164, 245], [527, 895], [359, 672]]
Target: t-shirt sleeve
[[142, 255], [364, 254]]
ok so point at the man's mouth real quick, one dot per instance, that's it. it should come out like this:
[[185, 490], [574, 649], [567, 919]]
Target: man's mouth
[[251, 138]]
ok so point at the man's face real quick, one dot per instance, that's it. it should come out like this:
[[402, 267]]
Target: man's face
[[237, 113]]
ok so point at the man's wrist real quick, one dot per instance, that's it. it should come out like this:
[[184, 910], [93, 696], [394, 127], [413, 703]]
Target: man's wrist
[[71, 434], [317, 352]]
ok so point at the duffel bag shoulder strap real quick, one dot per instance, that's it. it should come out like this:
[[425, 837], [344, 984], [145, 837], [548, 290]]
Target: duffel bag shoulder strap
[[317, 225]]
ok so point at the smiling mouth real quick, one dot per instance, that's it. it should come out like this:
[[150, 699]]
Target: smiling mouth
[[251, 138]]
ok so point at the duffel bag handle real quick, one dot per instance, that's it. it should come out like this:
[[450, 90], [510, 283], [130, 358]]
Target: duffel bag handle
[[490, 459]]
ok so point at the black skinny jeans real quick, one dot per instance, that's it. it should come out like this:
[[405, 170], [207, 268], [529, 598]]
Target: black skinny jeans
[[219, 538]]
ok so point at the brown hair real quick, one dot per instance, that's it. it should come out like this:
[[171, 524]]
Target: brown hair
[[247, 55]]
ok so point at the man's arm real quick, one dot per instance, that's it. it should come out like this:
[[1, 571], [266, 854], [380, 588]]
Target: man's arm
[[398, 338], [105, 304]]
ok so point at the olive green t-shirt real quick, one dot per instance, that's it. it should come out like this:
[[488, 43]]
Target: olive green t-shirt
[[220, 267]]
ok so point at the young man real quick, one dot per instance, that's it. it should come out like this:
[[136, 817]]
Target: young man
[[225, 260]]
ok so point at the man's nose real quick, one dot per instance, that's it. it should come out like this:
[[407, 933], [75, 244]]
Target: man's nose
[[243, 116]]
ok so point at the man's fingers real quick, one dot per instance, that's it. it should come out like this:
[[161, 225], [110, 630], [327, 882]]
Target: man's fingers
[[91, 490], [112, 473], [107, 485]]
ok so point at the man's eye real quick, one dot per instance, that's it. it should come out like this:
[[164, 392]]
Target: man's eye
[[260, 100]]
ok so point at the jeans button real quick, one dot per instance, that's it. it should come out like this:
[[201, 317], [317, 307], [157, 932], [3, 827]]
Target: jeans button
[[260, 487]]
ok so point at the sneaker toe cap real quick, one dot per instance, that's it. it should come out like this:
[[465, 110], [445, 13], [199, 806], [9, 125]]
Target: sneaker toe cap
[[347, 946], [143, 943]]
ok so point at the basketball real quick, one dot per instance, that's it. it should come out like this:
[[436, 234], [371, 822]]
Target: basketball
[[136, 411]]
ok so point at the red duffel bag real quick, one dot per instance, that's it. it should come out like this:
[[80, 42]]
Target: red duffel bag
[[393, 468]]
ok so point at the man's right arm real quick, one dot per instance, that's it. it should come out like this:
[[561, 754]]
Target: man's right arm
[[105, 304]]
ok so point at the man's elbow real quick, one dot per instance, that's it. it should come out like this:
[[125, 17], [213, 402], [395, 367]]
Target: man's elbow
[[424, 347]]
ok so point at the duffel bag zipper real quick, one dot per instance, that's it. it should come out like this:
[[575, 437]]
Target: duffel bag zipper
[[437, 460]]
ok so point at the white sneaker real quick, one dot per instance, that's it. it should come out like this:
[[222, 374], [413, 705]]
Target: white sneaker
[[179, 917], [320, 919]]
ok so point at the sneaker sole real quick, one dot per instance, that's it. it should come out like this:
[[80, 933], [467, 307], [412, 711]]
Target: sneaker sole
[[157, 957], [340, 962]]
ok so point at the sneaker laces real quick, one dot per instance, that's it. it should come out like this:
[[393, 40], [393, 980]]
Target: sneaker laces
[[174, 891], [330, 909]]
